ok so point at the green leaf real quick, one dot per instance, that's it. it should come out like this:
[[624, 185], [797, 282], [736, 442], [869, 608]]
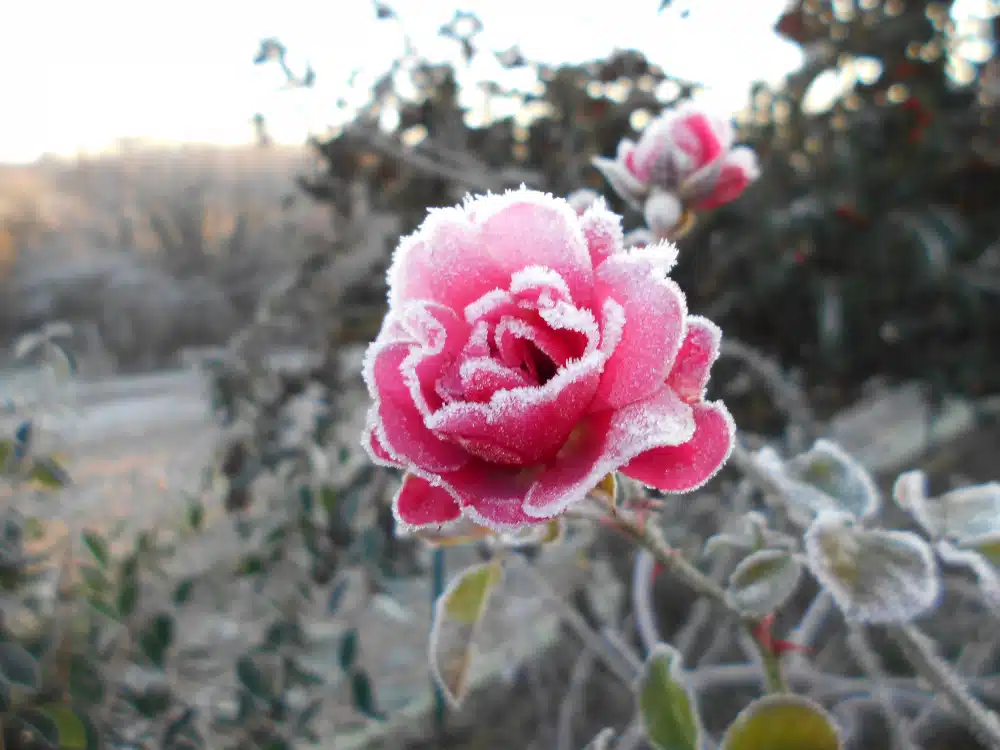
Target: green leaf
[[183, 592], [195, 514], [328, 498], [763, 581], [70, 728], [782, 722], [348, 650], [253, 678], [19, 667], [46, 471], [666, 705], [85, 682], [364, 696], [128, 596], [7, 452], [98, 548], [157, 638], [458, 613]]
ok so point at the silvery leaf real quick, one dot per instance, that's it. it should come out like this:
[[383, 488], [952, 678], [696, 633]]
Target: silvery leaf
[[874, 576], [960, 514], [764, 581]]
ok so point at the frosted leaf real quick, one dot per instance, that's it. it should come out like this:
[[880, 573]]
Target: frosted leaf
[[826, 478], [458, 614], [667, 707], [621, 181], [982, 556], [749, 532], [873, 575], [963, 513], [783, 722], [764, 581]]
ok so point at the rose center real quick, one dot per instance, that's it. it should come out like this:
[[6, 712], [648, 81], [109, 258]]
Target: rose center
[[538, 363]]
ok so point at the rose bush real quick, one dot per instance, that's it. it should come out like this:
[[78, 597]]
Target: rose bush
[[685, 160], [525, 355]]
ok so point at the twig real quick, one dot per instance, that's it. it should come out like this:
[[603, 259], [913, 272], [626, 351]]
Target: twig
[[573, 698], [923, 657], [899, 728]]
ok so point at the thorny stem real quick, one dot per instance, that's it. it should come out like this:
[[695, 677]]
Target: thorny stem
[[647, 535]]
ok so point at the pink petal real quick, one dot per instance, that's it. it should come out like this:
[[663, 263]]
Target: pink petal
[[702, 137], [445, 261], [512, 335], [654, 327], [370, 441], [691, 370], [525, 228], [493, 496], [603, 230], [686, 467], [484, 376], [604, 442], [527, 423], [738, 169], [419, 503]]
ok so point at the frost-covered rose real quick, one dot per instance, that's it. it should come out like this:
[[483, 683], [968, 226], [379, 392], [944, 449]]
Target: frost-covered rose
[[525, 355], [685, 158]]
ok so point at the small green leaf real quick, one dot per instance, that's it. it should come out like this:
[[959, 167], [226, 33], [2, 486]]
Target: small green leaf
[[328, 498], [457, 617], [98, 548], [348, 650], [70, 728], [85, 682], [464, 601], [782, 722], [183, 592], [157, 638], [128, 596], [47, 472], [253, 679], [18, 666], [6, 455], [763, 581], [195, 514], [667, 707], [364, 696]]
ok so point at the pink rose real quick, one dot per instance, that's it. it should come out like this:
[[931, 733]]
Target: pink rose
[[525, 355], [686, 152]]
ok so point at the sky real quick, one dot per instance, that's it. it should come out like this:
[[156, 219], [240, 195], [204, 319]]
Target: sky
[[76, 76]]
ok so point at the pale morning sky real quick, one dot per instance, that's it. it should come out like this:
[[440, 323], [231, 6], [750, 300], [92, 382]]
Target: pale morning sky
[[78, 75]]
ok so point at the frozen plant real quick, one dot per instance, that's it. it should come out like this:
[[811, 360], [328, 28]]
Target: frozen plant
[[536, 370]]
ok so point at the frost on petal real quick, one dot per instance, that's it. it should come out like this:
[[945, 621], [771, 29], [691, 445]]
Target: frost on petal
[[688, 466], [523, 425], [603, 231], [537, 286], [655, 311], [605, 441], [874, 576], [419, 503], [827, 478], [400, 425], [493, 496], [526, 228], [582, 199], [662, 211], [447, 261], [625, 184], [639, 238], [376, 451], [690, 373]]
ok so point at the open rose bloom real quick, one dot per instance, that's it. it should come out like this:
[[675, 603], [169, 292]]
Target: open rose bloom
[[525, 355], [685, 159]]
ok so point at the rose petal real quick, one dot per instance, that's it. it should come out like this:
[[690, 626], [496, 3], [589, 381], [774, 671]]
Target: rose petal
[[373, 445], [493, 496], [623, 182], [692, 367], [654, 328], [419, 503], [603, 230], [524, 228], [702, 136], [686, 467], [604, 442], [523, 425], [738, 169]]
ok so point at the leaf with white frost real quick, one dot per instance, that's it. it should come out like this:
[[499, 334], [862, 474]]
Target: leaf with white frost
[[764, 581], [666, 704], [874, 576], [748, 533], [982, 556], [827, 478], [964, 513], [458, 614]]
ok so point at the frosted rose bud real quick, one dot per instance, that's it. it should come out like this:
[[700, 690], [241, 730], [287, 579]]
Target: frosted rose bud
[[685, 151], [525, 355]]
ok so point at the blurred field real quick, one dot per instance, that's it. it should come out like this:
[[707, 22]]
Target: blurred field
[[151, 250]]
